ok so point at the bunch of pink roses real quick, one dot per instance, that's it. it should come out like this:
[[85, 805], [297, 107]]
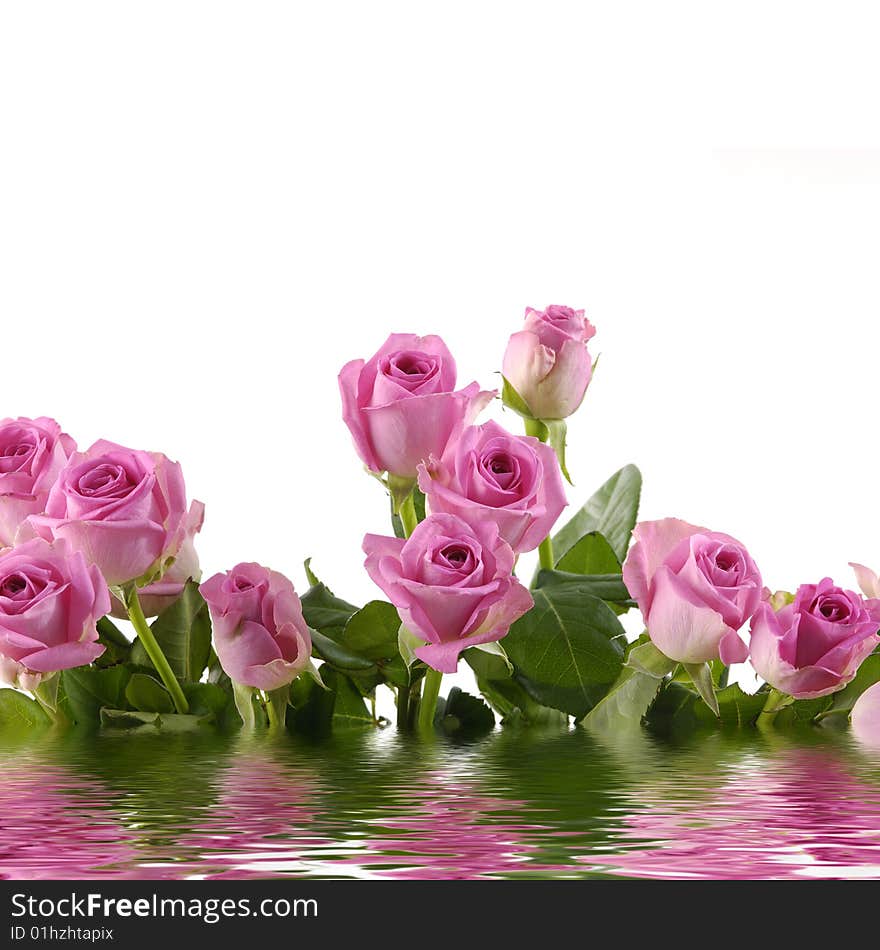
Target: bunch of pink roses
[[698, 588], [86, 536]]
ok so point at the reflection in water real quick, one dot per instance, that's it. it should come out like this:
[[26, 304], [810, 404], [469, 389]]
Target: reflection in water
[[377, 805]]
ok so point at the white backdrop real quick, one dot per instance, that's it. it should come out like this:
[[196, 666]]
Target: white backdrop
[[207, 208]]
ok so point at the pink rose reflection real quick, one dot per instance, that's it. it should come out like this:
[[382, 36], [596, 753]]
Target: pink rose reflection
[[49, 829], [261, 825], [801, 816], [454, 832]]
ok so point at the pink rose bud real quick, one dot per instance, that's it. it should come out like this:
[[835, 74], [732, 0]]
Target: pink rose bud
[[124, 509], [50, 603], [695, 589], [815, 645], [32, 453], [547, 362], [490, 475], [401, 405], [866, 716], [452, 584], [260, 635]]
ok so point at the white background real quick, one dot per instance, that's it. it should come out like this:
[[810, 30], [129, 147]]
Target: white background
[[207, 208]]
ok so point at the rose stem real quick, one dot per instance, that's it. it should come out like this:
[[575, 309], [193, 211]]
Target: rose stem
[[429, 701], [154, 651], [772, 707], [404, 693], [538, 430], [276, 708], [403, 707], [408, 514]]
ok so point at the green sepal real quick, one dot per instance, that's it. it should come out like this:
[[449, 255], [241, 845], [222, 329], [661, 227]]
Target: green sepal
[[701, 676]]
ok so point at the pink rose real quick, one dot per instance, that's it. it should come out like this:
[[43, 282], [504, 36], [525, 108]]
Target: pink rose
[[401, 406], [547, 362], [695, 589], [260, 635], [866, 716], [124, 509], [156, 597], [452, 584], [815, 645], [50, 603], [490, 475], [32, 453]]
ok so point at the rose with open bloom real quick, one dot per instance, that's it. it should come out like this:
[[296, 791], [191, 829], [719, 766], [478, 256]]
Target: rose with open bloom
[[695, 589], [124, 509], [50, 603], [452, 584], [260, 635], [401, 405], [32, 453], [547, 362], [489, 474], [815, 645]]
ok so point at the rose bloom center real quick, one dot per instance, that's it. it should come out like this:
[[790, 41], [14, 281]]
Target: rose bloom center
[[831, 608]]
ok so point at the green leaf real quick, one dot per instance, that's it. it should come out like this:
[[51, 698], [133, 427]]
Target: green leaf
[[20, 714], [465, 715], [407, 644], [624, 705], [507, 696], [310, 574], [85, 691], [183, 631], [117, 645], [567, 650], [868, 674], [372, 633], [591, 555], [148, 695], [511, 399], [644, 657], [612, 512], [419, 504], [325, 612], [334, 653], [607, 587], [800, 711], [701, 676], [735, 707], [208, 699], [135, 721], [494, 648], [679, 708], [349, 708], [629, 699], [557, 433], [311, 708]]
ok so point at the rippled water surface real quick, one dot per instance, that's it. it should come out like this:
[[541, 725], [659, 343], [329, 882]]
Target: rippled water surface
[[510, 805]]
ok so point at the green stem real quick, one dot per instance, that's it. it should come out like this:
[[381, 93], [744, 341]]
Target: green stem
[[408, 514], [776, 702], [428, 708], [154, 651], [537, 429], [276, 708], [545, 554], [403, 708]]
